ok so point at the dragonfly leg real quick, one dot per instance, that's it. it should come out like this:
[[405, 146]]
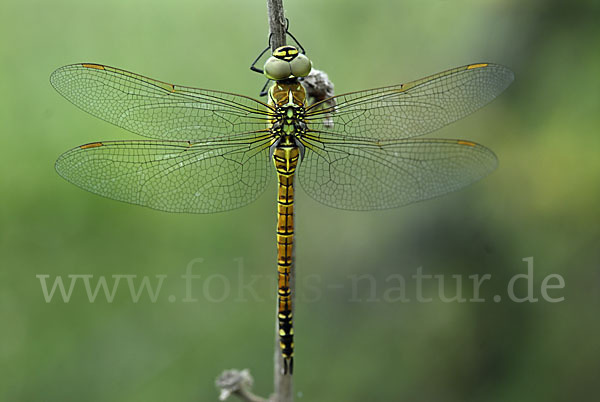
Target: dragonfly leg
[[253, 65], [264, 90], [293, 37]]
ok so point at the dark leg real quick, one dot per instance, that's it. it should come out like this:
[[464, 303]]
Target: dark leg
[[293, 37], [264, 89], [253, 65]]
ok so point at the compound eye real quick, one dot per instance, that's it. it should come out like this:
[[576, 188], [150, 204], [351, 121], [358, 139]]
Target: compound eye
[[277, 69], [301, 66]]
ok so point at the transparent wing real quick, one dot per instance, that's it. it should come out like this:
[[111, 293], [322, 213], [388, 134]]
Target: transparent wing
[[157, 109], [372, 176], [174, 176], [408, 110]]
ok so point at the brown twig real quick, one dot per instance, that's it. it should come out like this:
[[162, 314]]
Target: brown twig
[[235, 382], [277, 23], [318, 88], [283, 382]]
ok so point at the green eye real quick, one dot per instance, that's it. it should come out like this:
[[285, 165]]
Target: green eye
[[301, 66], [276, 69]]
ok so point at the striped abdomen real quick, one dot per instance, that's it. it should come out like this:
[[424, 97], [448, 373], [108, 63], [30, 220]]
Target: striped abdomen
[[286, 159]]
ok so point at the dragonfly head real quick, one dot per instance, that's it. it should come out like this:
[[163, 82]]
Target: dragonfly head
[[287, 62]]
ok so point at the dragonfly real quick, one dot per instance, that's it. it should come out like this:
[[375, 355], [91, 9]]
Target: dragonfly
[[211, 151]]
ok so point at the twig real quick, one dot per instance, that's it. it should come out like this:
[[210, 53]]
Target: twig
[[235, 382], [283, 383], [318, 88], [277, 23]]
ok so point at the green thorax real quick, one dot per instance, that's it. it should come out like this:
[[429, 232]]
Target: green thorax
[[288, 97]]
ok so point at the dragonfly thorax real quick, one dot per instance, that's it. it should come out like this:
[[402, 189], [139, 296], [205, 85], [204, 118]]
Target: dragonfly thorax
[[290, 121], [288, 128], [288, 125], [288, 100]]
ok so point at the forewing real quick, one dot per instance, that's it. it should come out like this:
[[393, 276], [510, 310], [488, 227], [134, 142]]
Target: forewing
[[386, 176], [157, 109], [408, 110], [170, 176]]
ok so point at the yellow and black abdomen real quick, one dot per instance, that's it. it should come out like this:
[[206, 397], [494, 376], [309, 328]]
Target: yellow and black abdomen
[[285, 159]]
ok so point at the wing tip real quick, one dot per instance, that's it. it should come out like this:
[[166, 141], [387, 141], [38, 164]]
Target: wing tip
[[507, 73], [62, 69]]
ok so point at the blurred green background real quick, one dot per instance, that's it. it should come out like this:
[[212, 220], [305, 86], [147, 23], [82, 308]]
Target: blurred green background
[[541, 202]]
